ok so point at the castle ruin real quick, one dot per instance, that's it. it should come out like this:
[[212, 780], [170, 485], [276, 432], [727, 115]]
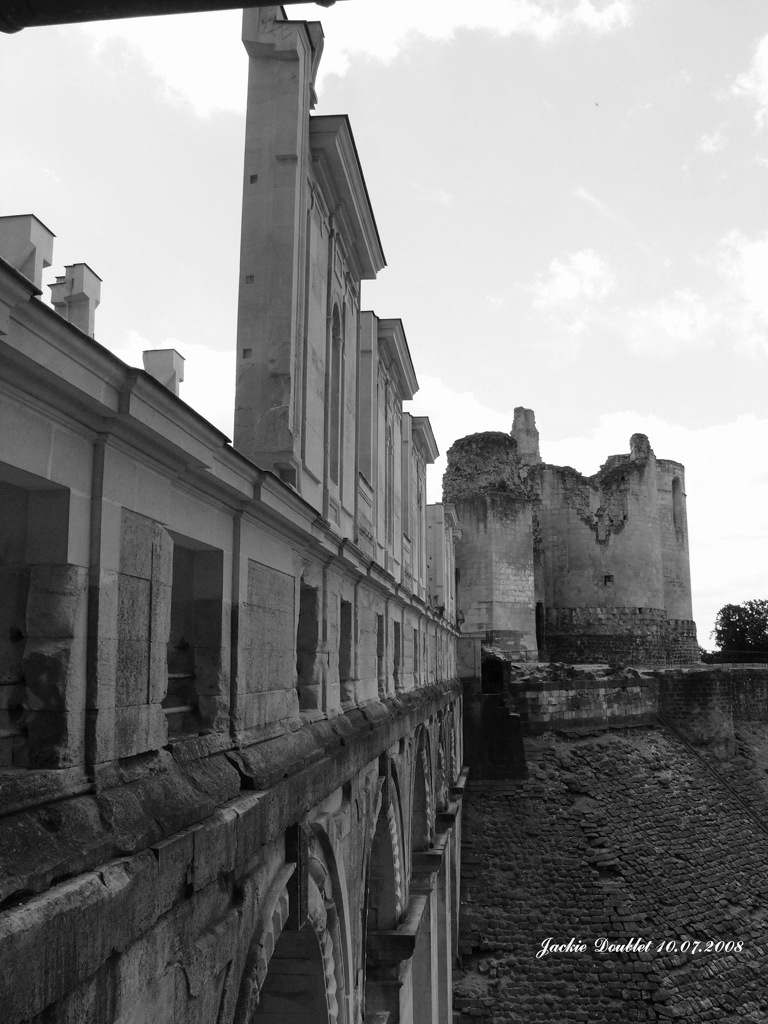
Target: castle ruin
[[557, 565]]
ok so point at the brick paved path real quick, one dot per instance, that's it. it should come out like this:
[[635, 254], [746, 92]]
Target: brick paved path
[[622, 836]]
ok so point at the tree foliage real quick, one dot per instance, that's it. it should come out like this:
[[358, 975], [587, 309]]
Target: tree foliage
[[742, 627]]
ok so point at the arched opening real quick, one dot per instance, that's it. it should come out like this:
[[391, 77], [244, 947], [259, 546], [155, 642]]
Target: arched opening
[[294, 990]]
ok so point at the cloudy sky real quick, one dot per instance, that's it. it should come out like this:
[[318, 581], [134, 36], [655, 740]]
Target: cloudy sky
[[571, 196]]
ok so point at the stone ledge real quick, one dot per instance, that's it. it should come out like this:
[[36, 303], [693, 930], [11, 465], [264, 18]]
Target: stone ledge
[[28, 787]]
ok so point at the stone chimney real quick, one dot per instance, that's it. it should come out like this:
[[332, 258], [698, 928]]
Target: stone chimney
[[166, 366], [27, 244], [527, 436], [76, 295]]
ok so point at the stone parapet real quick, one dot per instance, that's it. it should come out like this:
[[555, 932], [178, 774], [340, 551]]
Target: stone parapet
[[702, 703]]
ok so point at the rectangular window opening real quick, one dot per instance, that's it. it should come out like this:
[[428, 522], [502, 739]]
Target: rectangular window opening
[[307, 640], [194, 642], [396, 654], [380, 674], [345, 641]]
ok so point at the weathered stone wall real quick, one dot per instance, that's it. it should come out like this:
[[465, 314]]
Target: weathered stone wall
[[624, 837], [175, 914], [600, 536], [625, 636], [701, 701], [565, 696]]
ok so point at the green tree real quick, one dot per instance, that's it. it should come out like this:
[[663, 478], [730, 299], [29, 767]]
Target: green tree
[[742, 627]]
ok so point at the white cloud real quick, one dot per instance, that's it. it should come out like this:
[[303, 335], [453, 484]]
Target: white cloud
[[591, 200], [743, 264], [383, 31], [734, 312], [681, 320], [198, 58], [753, 83], [712, 143], [579, 277], [569, 298], [200, 62], [433, 194]]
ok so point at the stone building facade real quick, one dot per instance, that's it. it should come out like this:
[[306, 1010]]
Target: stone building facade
[[230, 728], [572, 568]]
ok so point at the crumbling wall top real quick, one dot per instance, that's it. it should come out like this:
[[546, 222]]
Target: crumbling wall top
[[527, 436], [639, 447], [482, 464]]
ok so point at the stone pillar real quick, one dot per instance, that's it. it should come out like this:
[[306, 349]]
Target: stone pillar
[[526, 436], [282, 60], [445, 938], [424, 969], [54, 665]]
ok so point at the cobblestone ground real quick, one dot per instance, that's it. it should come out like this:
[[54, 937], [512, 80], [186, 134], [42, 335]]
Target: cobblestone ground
[[620, 836]]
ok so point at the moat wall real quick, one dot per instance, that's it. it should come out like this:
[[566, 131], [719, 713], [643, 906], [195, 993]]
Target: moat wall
[[702, 701], [643, 816]]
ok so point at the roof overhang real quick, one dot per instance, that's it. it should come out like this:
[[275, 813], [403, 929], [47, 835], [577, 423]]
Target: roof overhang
[[423, 436], [393, 347], [341, 177]]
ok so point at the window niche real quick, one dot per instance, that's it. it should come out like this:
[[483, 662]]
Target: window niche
[[196, 699], [396, 654], [381, 674], [345, 650], [42, 626], [308, 674], [415, 656]]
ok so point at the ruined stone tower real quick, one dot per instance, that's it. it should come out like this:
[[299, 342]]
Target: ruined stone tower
[[555, 564], [494, 555]]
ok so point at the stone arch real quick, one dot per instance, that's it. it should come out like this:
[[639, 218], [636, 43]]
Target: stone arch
[[291, 976], [383, 903], [441, 768], [453, 764], [423, 804], [272, 917], [384, 888], [327, 872]]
